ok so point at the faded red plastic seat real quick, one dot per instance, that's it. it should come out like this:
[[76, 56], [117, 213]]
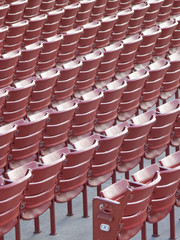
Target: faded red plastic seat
[[68, 18], [175, 40], [173, 161], [108, 108], [160, 135], [107, 213], [104, 32], [3, 32], [64, 87], [112, 7], [14, 36], [152, 13], [74, 174], [3, 11], [51, 24], [98, 9], [8, 63], [15, 12], [6, 137], [42, 91], [86, 41], [134, 144], [26, 144], [136, 210], [165, 10], [145, 50], [33, 32], [26, 65], [15, 106], [11, 197], [84, 12], [152, 87], [106, 69], [135, 23], [127, 56], [103, 164], [87, 74], [130, 99], [58, 124], [49, 51], [31, 9], [3, 95], [163, 41], [39, 194], [46, 6], [83, 121], [171, 82], [120, 27], [68, 47], [175, 10], [163, 197]]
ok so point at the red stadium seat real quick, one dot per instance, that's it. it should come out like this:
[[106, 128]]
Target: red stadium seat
[[165, 10], [84, 12], [68, 46], [15, 106], [46, 6], [31, 9], [171, 82], [163, 197], [8, 63], [68, 18], [125, 4], [6, 137], [3, 11], [108, 109], [39, 194], [103, 165], [160, 135], [97, 12], [48, 55], [74, 174], [135, 23], [26, 65], [11, 197], [136, 210], [14, 36], [43, 90], [87, 74], [34, 29], [83, 121], [130, 99], [51, 24], [152, 13], [26, 144], [86, 41], [104, 32], [152, 87], [112, 7], [64, 87], [107, 214], [120, 27], [15, 12], [133, 147]]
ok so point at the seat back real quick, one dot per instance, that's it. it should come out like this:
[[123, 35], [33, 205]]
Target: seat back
[[107, 214]]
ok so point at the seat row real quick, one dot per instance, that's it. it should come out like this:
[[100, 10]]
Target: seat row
[[123, 97], [43, 26], [28, 191], [81, 12], [121, 147], [123, 208]]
